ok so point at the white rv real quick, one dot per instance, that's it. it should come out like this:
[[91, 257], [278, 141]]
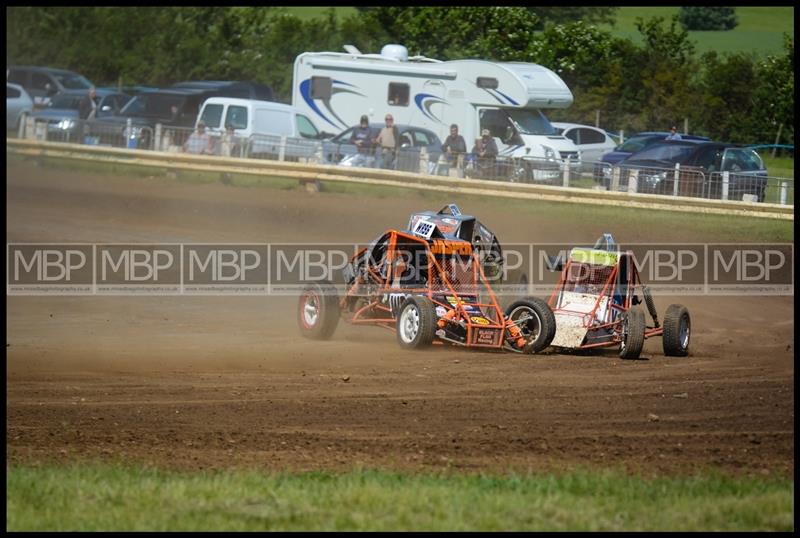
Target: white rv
[[335, 89]]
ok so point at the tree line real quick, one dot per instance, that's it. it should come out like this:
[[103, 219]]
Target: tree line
[[736, 97]]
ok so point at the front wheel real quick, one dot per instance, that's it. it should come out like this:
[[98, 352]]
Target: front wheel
[[677, 331], [416, 322], [632, 334], [318, 311], [535, 321]]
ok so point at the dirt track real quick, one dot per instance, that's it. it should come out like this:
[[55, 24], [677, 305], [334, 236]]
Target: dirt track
[[222, 381]]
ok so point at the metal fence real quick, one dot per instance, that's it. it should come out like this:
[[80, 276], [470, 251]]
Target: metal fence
[[574, 173]]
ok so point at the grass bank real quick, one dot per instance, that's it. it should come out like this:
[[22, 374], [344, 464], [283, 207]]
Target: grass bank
[[105, 497], [701, 227]]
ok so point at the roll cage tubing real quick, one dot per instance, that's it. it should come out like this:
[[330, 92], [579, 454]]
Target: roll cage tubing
[[588, 318], [478, 275]]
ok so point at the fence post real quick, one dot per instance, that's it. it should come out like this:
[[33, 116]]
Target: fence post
[[633, 181], [41, 130], [282, 149], [157, 139], [565, 176], [725, 184], [423, 160], [614, 179], [30, 128], [622, 136], [677, 179], [784, 192], [129, 143]]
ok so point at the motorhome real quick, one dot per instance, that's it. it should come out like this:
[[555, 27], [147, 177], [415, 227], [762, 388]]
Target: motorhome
[[507, 98]]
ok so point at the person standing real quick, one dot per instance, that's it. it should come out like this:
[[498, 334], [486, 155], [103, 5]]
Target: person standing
[[389, 140], [198, 142], [362, 139], [87, 108], [673, 134], [454, 145]]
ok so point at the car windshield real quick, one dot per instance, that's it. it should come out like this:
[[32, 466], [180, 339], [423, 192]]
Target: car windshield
[[153, 105], [664, 152], [66, 101], [74, 82], [530, 121]]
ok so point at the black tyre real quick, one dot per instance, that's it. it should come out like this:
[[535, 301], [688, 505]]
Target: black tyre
[[632, 334], [416, 322], [318, 311], [535, 320], [677, 331]]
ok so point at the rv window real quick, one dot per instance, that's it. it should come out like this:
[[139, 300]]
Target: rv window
[[398, 94], [306, 128], [212, 114], [321, 87], [488, 82], [236, 116]]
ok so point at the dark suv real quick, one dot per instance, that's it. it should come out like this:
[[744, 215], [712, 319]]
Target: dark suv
[[637, 142], [230, 88], [42, 83], [177, 106], [702, 169]]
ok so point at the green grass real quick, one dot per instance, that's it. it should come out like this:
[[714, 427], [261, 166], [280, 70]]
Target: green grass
[[90, 497], [760, 29]]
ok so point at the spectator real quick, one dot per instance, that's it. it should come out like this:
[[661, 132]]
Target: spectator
[[454, 145], [230, 145], [198, 142], [360, 136], [389, 140], [87, 108], [673, 134], [488, 146]]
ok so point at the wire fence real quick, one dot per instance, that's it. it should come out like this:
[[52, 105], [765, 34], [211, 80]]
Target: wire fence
[[736, 185]]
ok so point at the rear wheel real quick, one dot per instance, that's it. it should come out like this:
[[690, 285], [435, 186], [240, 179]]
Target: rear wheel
[[318, 311], [677, 331], [416, 322], [535, 320], [632, 334]]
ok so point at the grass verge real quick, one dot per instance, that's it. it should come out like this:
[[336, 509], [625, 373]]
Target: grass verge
[[701, 226], [106, 497]]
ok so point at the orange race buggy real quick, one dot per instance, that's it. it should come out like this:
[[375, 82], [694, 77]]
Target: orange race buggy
[[594, 304], [430, 285]]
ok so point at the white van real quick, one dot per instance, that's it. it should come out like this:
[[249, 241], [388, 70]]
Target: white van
[[263, 129], [250, 117]]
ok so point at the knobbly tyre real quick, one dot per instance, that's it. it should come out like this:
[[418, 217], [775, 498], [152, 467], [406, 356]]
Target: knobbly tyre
[[594, 304], [430, 285]]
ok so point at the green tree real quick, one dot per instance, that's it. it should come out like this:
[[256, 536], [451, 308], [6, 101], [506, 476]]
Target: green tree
[[708, 18]]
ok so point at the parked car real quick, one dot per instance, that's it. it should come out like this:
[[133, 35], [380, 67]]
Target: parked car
[[339, 150], [230, 88], [42, 83], [18, 105], [592, 142], [133, 91], [62, 114], [638, 142], [176, 107], [702, 165]]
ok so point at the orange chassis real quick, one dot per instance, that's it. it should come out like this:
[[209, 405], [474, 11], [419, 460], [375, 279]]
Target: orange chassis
[[485, 324]]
